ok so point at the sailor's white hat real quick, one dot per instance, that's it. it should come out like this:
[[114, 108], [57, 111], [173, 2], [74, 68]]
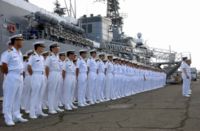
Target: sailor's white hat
[[17, 36], [62, 53], [45, 52], [101, 54], [39, 43], [93, 50], [109, 55], [83, 50], [54, 44]]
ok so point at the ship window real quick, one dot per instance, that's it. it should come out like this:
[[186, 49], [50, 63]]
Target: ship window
[[89, 28], [84, 27]]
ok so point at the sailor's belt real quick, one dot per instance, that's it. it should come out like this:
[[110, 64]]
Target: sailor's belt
[[16, 72], [70, 73], [82, 72], [38, 72], [55, 71], [92, 71]]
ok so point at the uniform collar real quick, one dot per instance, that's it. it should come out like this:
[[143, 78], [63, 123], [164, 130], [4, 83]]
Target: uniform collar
[[14, 49]]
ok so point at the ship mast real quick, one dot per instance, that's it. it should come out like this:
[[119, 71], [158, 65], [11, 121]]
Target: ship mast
[[117, 20]]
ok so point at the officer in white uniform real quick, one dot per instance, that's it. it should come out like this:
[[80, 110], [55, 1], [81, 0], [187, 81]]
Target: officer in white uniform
[[54, 76], [116, 79], [69, 73], [62, 61], [100, 78], [92, 68], [12, 67], [81, 74], [27, 85], [45, 54], [109, 77], [36, 68], [186, 76], [3, 55]]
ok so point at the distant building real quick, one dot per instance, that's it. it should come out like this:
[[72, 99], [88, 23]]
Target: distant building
[[97, 28]]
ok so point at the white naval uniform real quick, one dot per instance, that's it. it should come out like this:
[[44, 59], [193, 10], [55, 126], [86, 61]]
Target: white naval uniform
[[109, 80], [82, 81], [186, 82], [37, 64], [53, 82], [45, 93], [100, 81], [92, 76], [61, 92], [3, 56], [26, 94], [116, 82], [13, 85], [69, 84]]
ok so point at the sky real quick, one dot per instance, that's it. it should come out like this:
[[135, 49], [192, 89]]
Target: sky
[[163, 23]]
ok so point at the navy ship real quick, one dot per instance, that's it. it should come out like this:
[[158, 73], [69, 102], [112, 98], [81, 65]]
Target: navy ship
[[104, 33]]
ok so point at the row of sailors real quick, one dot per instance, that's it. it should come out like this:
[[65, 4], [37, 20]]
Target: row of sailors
[[50, 81]]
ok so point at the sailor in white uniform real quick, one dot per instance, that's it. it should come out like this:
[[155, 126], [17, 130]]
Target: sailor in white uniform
[[100, 78], [45, 54], [81, 74], [36, 68], [26, 94], [186, 76], [12, 67], [54, 76], [109, 77], [62, 61], [92, 76], [69, 73], [4, 54], [116, 80]]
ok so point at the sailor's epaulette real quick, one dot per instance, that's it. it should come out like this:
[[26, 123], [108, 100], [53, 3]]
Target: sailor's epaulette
[[33, 54]]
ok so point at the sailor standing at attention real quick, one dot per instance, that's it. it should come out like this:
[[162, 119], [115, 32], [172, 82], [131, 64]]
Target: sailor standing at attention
[[4, 54], [36, 68], [54, 76], [109, 77], [45, 54], [92, 68], [81, 74], [69, 74], [186, 76], [101, 78], [12, 67], [26, 94], [62, 61]]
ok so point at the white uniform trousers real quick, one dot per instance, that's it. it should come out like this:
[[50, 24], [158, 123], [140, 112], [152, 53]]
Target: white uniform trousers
[[109, 85], [92, 87], [3, 86], [53, 85], [37, 87], [45, 94], [61, 92], [116, 83], [69, 89], [26, 94], [82, 85], [13, 86], [186, 86], [100, 86]]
